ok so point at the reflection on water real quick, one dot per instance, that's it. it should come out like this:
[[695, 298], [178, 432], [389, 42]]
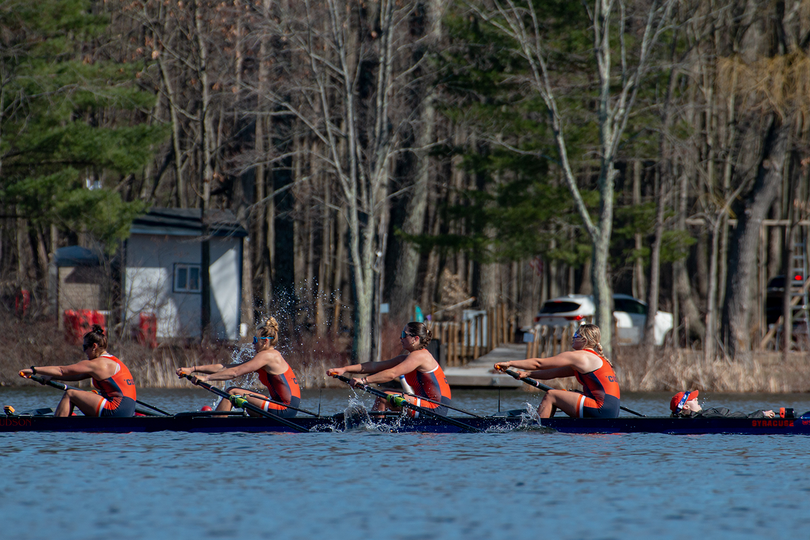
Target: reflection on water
[[369, 484]]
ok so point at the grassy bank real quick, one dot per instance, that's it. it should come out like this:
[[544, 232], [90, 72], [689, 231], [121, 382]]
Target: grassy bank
[[26, 343]]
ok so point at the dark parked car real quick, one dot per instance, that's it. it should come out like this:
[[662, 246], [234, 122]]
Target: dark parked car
[[774, 294]]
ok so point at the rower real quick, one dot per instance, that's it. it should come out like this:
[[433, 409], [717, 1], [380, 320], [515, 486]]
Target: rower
[[422, 372], [111, 378], [686, 404], [601, 395], [274, 373]]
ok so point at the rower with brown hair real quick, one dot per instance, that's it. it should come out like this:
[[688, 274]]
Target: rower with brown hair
[[422, 372], [116, 387], [274, 373], [601, 395]]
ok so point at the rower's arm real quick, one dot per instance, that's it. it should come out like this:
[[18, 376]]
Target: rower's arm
[[529, 363], [404, 364], [552, 373], [233, 371], [207, 369], [74, 372], [569, 359]]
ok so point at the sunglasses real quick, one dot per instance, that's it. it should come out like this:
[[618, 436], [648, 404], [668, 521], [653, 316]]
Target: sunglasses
[[576, 335], [404, 334], [256, 339]]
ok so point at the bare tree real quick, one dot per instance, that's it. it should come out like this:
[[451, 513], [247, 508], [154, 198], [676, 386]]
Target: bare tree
[[617, 87], [344, 84]]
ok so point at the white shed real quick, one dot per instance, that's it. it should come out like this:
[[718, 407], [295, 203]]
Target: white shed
[[162, 273]]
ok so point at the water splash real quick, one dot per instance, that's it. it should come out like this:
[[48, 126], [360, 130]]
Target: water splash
[[314, 329], [355, 415], [249, 381]]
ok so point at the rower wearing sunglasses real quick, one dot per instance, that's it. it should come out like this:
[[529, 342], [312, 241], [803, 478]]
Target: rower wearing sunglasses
[[421, 371], [600, 388], [274, 373]]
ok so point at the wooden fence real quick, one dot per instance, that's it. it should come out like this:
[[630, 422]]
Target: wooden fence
[[464, 341], [547, 341]]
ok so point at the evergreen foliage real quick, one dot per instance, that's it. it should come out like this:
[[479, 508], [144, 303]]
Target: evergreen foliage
[[71, 119]]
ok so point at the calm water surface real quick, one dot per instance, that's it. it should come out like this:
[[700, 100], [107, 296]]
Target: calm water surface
[[407, 486]]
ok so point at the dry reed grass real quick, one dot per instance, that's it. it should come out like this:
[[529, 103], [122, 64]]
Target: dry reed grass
[[27, 343], [775, 83], [678, 369]]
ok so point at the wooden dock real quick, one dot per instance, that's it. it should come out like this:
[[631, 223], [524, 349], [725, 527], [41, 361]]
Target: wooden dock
[[478, 373]]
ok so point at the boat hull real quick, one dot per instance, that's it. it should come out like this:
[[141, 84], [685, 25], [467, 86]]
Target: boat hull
[[206, 423], [681, 426], [219, 424]]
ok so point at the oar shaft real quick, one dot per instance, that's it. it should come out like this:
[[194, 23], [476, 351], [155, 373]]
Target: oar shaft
[[442, 404], [402, 402], [245, 404], [541, 386], [63, 386], [291, 407]]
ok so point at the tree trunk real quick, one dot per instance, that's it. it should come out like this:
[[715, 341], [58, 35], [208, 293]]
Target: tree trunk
[[639, 286], [742, 262], [206, 139], [404, 290]]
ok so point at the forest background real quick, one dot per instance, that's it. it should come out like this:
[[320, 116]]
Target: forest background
[[422, 153]]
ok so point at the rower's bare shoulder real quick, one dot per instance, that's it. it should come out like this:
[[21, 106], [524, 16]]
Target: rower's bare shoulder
[[583, 361], [425, 359]]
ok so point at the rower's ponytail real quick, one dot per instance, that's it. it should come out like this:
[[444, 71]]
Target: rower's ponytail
[[269, 330], [95, 335]]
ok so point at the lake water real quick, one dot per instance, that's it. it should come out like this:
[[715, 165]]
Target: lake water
[[359, 485]]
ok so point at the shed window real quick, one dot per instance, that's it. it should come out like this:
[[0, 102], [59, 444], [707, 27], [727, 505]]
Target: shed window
[[186, 278]]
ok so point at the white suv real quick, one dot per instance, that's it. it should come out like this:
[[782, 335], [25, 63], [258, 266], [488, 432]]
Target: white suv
[[630, 314]]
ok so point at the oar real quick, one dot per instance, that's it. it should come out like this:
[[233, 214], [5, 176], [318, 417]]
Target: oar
[[399, 401], [316, 415], [242, 403], [537, 384], [63, 386], [440, 403]]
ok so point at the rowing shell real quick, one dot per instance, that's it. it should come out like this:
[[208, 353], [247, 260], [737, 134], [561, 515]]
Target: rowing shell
[[218, 423]]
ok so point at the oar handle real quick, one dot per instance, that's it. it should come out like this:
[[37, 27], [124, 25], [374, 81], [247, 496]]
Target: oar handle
[[528, 380], [47, 382], [399, 401]]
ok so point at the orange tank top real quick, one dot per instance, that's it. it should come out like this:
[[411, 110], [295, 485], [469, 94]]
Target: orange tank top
[[282, 386], [430, 384], [119, 386], [599, 383]]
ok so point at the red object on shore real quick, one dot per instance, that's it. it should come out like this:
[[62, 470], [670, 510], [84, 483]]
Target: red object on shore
[[79, 321], [147, 330], [22, 302]]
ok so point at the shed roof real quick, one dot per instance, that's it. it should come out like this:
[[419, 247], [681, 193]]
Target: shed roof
[[76, 256], [187, 222]]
